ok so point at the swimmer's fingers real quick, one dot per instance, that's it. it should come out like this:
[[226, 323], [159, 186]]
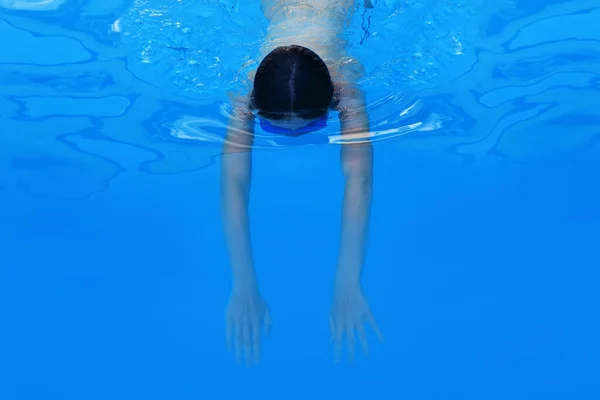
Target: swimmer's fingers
[[239, 342], [363, 338], [247, 329], [371, 320], [229, 333], [332, 329], [267, 321], [338, 335], [256, 332], [351, 342], [256, 339]]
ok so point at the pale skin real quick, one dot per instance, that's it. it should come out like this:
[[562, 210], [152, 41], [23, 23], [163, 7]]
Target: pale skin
[[247, 313]]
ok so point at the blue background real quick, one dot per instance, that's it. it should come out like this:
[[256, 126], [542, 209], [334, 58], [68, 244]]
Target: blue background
[[482, 267]]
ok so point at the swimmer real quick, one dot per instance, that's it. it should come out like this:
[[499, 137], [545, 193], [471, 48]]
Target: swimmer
[[304, 73]]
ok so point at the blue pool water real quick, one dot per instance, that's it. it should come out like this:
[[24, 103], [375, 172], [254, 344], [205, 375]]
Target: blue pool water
[[483, 264]]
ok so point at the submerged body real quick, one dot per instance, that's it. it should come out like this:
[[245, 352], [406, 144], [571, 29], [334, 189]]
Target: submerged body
[[316, 24], [303, 50]]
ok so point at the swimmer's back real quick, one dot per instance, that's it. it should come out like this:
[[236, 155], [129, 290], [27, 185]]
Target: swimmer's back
[[316, 24], [324, 11]]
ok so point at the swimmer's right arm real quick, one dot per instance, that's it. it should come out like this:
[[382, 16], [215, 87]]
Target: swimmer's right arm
[[236, 171], [246, 311]]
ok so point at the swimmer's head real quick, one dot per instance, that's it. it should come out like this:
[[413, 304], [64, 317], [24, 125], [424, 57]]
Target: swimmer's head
[[292, 87]]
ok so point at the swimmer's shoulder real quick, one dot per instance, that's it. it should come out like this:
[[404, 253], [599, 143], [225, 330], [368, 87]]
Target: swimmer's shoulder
[[349, 97], [241, 105], [346, 75]]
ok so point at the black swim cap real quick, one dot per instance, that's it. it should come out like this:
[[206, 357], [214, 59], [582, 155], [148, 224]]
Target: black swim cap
[[292, 79]]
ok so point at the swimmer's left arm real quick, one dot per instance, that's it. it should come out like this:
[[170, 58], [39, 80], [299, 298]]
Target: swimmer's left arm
[[350, 310], [357, 166]]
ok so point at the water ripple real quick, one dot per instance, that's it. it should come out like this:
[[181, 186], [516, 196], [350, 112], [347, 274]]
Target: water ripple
[[32, 5], [182, 46], [116, 86], [17, 45]]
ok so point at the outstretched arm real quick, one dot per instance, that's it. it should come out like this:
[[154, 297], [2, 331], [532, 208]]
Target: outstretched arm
[[236, 172], [350, 310], [357, 166], [247, 310]]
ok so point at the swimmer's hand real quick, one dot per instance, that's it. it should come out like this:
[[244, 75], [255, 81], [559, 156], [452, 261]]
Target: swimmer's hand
[[245, 314], [349, 315]]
